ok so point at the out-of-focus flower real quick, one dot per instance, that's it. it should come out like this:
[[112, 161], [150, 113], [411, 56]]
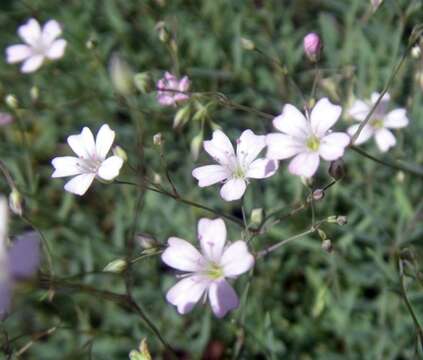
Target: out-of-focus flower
[[171, 90], [11, 101], [206, 272], [312, 46], [379, 123], [234, 169], [307, 138], [40, 44], [17, 262], [5, 118], [91, 161]]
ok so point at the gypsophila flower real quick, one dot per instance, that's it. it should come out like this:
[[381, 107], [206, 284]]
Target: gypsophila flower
[[17, 262], [40, 44], [171, 90], [91, 161], [205, 273], [234, 169], [307, 138], [380, 121]]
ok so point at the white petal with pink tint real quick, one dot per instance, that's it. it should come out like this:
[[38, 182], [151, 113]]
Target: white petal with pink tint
[[212, 237], [32, 63], [396, 119], [323, 116], [17, 53], [233, 189], [220, 148], [56, 50], [79, 184], [384, 139], [210, 174], [291, 122], [30, 32], [304, 164], [365, 134], [359, 110], [249, 146], [110, 168], [104, 141], [281, 146], [51, 31], [66, 166], [181, 255], [223, 298], [237, 259], [332, 146], [262, 168]]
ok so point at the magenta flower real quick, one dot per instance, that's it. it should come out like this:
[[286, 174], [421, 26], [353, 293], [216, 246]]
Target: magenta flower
[[205, 273], [312, 46], [171, 90]]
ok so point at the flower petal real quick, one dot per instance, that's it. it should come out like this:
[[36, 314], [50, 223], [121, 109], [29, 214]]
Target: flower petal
[[51, 30], [222, 297], [332, 146], [249, 146], [104, 141], [359, 110], [281, 146], [383, 104], [365, 134], [304, 164], [262, 168], [291, 122], [24, 255], [210, 174], [212, 237], [187, 292], [56, 50], [30, 32], [233, 189], [236, 259], [323, 116], [66, 166], [17, 53], [396, 119], [79, 184], [384, 139], [32, 63], [110, 168], [181, 255], [83, 144], [220, 148]]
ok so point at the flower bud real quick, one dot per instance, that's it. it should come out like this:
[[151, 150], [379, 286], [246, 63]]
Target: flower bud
[[34, 93], [158, 139], [163, 32], [157, 179], [116, 266], [341, 220], [15, 202], [247, 44], [118, 151], [318, 194], [11, 101], [416, 52], [322, 234], [143, 82], [312, 46], [327, 245], [337, 169], [256, 216], [196, 143], [182, 116], [121, 75], [145, 241]]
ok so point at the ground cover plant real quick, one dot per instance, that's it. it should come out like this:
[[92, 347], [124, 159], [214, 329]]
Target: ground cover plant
[[211, 179]]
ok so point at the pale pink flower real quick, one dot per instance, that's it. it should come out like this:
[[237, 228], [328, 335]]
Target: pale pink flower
[[234, 169], [205, 272], [5, 119], [171, 90], [307, 138], [312, 46], [91, 161], [379, 123], [40, 44]]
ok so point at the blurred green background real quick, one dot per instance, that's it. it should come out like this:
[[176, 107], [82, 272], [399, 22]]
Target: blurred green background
[[300, 302]]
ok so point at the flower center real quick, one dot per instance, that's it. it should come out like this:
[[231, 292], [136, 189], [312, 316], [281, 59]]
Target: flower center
[[89, 165], [313, 143], [239, 172], [377, 123], [214, 271]]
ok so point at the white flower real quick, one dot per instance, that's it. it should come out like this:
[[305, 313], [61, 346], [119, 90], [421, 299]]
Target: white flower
[[234, 169], [91, 161], [379, 123], [205, 272], [307, 138], [40, 44]]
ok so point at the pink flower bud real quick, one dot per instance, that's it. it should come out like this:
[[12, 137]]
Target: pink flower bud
[[312, 46]]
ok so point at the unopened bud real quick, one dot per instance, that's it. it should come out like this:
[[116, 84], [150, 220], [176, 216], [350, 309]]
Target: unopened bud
[[11, 101], [322, 234], [318, 194], [256, 216], [341, 220], [91, 43], [327, 245], [15, 202], [196, 143], [162, 31], [121, 75], [146, 241], [416, 52], [158, 139], [312, 46], [182, 116], [118, 151], [337, 169], [201, 112], [157, 179], [116, 266], [143, 82], [400, 177], [34, 93], [247, 44]]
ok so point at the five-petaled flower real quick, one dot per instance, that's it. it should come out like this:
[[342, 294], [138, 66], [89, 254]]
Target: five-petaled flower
[[205, 273], [40, 44], [91, 161], [380, 121], [307, 138], [171, 90], [234, 169]]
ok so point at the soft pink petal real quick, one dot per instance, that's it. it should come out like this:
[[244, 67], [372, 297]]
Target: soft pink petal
[[79, 184], [383, 104], [56, 50], [262, 168], [292, 122], [184, 84], [304, 164], [236, 259], [396, 119], [104, 141], [332, 146], [110, 168], [30, 32], [323, 116], [212, 237], [233, 189], [281, 146], [220, 148], [32, 63], [249, 146], [210, 174], [83, 144], [375, 95], [222, 297], [51, 30], [359, 110], [17, 53], [181, 255], [384, 139], [365, 134], [187, 292], [66, 166]]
